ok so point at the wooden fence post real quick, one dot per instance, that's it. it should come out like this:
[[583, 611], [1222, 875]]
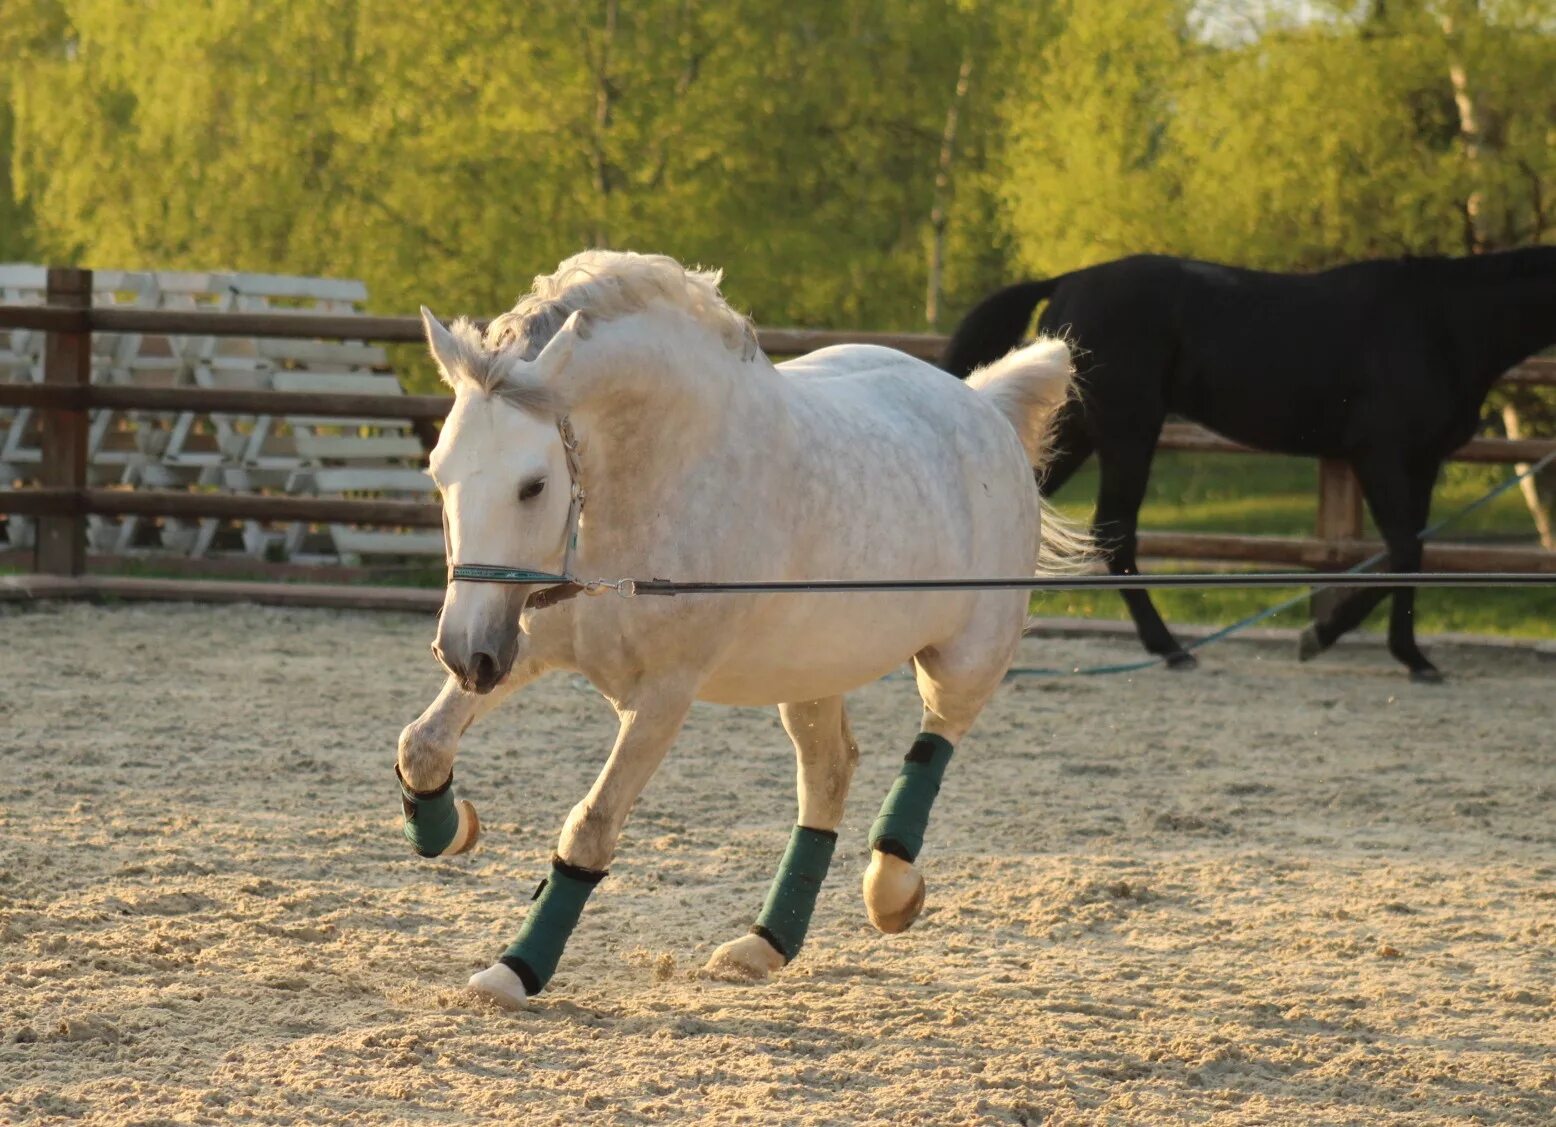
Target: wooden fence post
[[67, 361], [1339, 501]]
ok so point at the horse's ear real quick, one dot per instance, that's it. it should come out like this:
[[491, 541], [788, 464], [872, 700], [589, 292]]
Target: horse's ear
[[559, 349], [444, 348]]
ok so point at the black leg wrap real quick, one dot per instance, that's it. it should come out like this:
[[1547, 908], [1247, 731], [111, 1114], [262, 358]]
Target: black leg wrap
[[894, 847], [777, 944], [528, 977]]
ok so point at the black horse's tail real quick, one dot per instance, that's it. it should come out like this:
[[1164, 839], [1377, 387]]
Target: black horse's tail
[[994, 326]]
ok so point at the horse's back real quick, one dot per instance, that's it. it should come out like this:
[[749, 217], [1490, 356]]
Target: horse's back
[[840, 360], [1261, 356], [876, 405], [869, 389], [1284, 361]]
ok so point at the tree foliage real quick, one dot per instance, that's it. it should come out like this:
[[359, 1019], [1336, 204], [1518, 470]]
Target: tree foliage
[[447, 152], [1236, 132]]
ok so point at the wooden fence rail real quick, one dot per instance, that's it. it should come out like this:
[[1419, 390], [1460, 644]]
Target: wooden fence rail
[[244, 401], [67, 395]]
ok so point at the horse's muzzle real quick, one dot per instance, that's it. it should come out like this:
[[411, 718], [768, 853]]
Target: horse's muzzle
[[478, 636], [480, 673]]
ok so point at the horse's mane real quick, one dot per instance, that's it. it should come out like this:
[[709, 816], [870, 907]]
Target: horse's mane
[[496, 373], [613, 283], [604, 284]]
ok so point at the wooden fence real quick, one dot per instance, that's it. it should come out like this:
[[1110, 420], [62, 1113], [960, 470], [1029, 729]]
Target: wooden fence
[[66, 395]]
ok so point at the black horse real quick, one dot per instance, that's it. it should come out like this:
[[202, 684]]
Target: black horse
[[1384, 364]]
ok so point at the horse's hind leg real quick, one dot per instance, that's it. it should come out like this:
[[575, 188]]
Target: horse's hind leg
[[955, 681], [826, 755], [1072, 444], [1400, 501], [1125, 465]]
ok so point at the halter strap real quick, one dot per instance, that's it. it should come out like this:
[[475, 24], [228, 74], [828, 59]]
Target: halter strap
[[575, 503], [491, 573]]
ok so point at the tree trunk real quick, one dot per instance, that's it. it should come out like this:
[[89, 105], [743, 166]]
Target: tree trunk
[[1540, 507], [937, 211], [1469, 133]]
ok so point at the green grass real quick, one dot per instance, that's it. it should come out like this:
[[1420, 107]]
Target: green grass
[[1272, 495]]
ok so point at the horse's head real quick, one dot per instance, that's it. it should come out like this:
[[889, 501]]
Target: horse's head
[[503, 472]]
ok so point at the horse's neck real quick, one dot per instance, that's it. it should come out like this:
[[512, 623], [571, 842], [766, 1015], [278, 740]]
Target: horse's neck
[[1502, 321], [650, 419]]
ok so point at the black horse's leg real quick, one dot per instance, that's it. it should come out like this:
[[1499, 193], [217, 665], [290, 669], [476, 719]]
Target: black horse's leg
[[1126, 467], [1322, 604], [1399, 501], [1406, 556], [1072, 443], [1385, 487]]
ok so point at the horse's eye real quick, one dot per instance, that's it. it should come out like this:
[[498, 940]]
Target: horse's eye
[[532, 489]]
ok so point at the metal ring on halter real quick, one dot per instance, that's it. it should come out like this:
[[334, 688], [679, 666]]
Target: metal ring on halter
[[626, 588]]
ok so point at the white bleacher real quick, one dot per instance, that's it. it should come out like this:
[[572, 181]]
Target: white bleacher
[[313, 456]]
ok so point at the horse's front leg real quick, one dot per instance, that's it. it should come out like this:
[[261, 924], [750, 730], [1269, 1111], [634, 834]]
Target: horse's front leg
[[436, 823], [649, 724], [826, 755]]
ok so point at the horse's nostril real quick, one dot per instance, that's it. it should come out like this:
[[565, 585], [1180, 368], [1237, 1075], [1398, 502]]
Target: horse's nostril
[[483, 669]]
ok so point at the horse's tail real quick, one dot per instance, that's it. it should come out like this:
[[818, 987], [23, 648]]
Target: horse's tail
[[1030, 386], [994, 326]]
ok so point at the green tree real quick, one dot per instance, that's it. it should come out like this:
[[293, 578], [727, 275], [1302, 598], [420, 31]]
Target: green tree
[[1233, 131], [448, 152], [1088, 174], [29, 33]]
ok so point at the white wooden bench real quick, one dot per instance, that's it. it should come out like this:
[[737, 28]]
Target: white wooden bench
[[180, 450]]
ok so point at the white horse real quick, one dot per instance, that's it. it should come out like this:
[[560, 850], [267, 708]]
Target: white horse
[[626, 380]]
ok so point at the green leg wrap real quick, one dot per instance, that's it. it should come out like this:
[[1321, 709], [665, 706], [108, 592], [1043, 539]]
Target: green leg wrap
[[786, 915], [899, 828], [430, 818], [559, 901]]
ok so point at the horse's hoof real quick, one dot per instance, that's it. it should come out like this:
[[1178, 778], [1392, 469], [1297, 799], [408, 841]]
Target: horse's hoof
[[469, 831], [893, 893], [1310, 645], [1182, 661], [1430, 675], [747, 959], [498, 983]]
